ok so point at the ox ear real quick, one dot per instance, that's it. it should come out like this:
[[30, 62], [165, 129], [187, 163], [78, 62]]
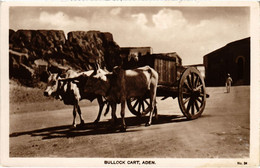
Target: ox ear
[[96, 68]]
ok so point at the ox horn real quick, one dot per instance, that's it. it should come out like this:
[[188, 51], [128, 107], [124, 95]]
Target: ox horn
[[96, 67], [48, 72]]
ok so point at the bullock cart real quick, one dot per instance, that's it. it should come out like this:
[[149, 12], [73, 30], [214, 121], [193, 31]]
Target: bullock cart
[[175, 81]]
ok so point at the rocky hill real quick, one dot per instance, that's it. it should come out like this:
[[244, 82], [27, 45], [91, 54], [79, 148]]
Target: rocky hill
[[33, 52]]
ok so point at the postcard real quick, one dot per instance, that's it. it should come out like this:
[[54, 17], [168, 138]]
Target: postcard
[[130, 84]]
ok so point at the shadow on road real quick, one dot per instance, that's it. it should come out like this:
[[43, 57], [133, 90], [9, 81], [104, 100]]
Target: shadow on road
[[104, 127]]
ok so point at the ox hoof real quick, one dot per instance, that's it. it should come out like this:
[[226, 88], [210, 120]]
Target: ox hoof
[[147, 124], [81, 124], [74, 126], [123, 129]]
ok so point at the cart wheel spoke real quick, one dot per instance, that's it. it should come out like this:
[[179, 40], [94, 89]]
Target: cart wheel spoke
[[201, 95], [146, 102], [187, 85], [142, 106], [196, 81], [198, 98], [192, 108], [192, 80], [189, 105], [186, 100], [136, 102], [199, 87], [139, 107], [196, 105], [189, 82]]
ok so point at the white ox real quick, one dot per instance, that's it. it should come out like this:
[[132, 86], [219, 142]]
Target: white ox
[[121, 85], [61, 87]]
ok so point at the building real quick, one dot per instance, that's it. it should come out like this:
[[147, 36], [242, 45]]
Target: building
[[234, 58], [41, 66]]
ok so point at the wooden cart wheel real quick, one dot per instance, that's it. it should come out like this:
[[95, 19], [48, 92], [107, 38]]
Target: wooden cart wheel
[[137, 106], [192, 93]]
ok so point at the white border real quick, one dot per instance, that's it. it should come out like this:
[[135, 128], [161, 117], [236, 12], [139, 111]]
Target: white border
[[252, 161]]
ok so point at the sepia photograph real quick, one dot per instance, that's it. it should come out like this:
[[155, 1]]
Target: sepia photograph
[[130, 84]]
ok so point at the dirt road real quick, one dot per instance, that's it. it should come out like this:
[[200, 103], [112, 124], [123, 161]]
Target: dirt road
[[221, 132]]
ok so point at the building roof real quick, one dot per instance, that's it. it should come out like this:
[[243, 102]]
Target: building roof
[[245, 40]]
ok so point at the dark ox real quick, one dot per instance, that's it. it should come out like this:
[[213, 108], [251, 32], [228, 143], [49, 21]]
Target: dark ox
[[61, 87], [121, 85]]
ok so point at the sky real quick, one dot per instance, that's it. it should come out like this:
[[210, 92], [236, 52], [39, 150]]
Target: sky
[[192, 32]]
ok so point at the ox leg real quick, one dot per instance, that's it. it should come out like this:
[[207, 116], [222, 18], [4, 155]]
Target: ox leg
[[150, 118], [101, 106], [153, 110], [80, 116], [74, 116], [107, 109], [123, 128], [113, 113]]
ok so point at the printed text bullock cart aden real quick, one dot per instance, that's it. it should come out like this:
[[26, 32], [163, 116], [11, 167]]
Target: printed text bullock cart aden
[[175, 80]]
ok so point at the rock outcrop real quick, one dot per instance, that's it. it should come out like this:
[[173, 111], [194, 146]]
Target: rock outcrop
[[79, 51]]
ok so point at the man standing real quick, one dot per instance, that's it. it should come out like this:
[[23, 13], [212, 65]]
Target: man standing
[[228, 82]]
